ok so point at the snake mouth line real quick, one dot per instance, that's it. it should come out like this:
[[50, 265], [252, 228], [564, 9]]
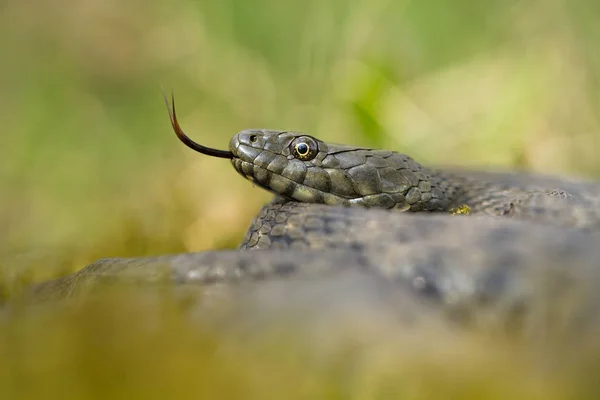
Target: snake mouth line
[[287, 188], [186, 140], [254, 181]]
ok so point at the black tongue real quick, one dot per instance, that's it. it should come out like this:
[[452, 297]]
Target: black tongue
[[186, 140]]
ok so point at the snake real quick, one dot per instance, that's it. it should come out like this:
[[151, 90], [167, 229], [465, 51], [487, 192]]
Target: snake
[[466, 243]]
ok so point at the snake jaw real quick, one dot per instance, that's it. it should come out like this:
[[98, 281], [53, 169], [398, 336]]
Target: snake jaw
[[186, 140]]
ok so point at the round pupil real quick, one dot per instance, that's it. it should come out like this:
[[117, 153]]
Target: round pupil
[[302, 148]]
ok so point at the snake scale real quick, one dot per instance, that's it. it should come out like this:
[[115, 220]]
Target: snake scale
[[497, 243]]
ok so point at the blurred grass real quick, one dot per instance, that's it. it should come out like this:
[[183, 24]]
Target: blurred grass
[[91, 168]]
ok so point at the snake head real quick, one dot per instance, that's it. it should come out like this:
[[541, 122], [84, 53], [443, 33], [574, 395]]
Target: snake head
[[302, 168], [283, 162]]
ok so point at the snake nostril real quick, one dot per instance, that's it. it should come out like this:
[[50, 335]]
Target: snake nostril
[[253, 138]]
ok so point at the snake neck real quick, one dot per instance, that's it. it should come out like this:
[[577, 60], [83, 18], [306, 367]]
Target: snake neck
[[486, 196]]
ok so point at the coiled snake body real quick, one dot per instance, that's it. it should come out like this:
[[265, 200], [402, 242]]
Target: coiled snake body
[[460, 239]]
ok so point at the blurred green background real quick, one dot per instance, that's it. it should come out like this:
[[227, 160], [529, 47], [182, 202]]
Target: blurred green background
[[91, 168]]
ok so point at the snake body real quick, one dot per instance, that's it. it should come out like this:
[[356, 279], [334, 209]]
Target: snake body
[[341, 209]]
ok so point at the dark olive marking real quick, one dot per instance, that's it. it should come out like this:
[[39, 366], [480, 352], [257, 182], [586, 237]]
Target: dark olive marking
[[186, 140]]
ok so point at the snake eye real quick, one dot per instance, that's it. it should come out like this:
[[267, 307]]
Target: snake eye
[[305, 148]]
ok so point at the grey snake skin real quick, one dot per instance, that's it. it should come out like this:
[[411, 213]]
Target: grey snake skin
[[465, 242]]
